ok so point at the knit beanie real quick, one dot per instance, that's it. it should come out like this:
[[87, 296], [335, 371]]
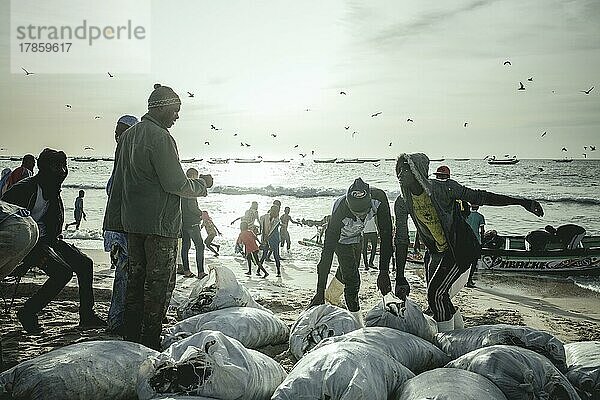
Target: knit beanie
[[162, 96]]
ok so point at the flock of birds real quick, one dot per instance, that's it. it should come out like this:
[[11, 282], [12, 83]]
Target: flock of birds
[[506, 63]]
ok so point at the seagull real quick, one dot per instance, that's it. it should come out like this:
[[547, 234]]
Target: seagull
[[465, 124], [296, 146], [564, 149], [376, 114], [68, 105], [507, 62], [390, 145], [110, 75], [312, 152], [246, 144], [307, 109], [214, 127], [97, 117], [273, 134], [584, 155], [207, 143], [585, 147], [409, 120], [3, 149], [235, 134], [587, 91], [544, 134], [376, 165], [507, 155], [354, 133], [190, 94], [530, 79], [302, 155], [521, 87], [344, 93], [242, 144], [88, 148], [592, 148], [27, 72], [346, 127]]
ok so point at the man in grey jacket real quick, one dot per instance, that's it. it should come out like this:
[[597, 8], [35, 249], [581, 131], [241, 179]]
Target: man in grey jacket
[[144, 202]]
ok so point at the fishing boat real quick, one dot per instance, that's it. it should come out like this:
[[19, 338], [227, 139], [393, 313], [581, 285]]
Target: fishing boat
[[554, 260], [324, 160], [84, 159], [218, 160], [563, 160], [276, 161], [349, 161], [461, 159], [191, 160], [372, 160], [503, 161], [437, 159], [247, 160], [107, 159], [16, 158]]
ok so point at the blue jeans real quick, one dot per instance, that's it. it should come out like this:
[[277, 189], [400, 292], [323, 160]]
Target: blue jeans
[[273, 242], [116, 311], [187, 236]]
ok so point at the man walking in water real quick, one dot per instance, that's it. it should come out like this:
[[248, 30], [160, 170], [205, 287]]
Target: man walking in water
[[343, 237], [451, 243], [144, 201]]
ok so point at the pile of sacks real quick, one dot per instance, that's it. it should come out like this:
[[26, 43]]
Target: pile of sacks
[[211, 354]]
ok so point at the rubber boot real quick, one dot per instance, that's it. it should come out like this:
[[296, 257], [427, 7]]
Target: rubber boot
[[358, 316], [333, 293], [446, 326], [458, 320]]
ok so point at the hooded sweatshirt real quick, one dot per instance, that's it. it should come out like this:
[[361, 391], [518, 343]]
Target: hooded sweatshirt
[[460, 238]]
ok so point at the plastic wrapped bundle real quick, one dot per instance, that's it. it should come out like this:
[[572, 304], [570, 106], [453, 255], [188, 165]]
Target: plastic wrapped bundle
[[583, 363], [406, 316], [450, 384], [459, 342], [253, 327], [521, 374], [414, 353], [210, 364], [318, 323], [344, 371], [225, 292], [86, 371]]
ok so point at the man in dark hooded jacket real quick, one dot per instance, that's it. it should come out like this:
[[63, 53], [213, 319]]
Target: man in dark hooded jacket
[[451, 243], [40, 194]]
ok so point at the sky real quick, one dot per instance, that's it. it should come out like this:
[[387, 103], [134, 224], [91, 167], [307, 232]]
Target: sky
[[256, 67]]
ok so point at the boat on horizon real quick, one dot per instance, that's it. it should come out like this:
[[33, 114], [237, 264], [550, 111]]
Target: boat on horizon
[[564, 160], [502, 161], [461, 159], [218, 160], [324, 160], [349, 161], [373, 160], [554, 260], [84, 159], [247, 160], [437, 159]]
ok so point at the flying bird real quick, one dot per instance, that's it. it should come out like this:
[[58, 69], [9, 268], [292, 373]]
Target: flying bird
[[409, 120], [564, 149], [592, 148], [346, 127], [235, 134], [507, 62], [354, 133], [207, 143], [190, 94], [544, 134], [68, 105], [584, 155], [110, 75], [530, 79], [273, 134], [27, 72], [521, 87], [376, 165], [585, 147], [344, 93], [242, 144], [587, 91], [465, 124], [88, 148], [296, 146], [312, 152], [302, 155], [390, 145], [246, 144], [97, 117], [214, 127], [507, 155], [307, 109], [376, 114]]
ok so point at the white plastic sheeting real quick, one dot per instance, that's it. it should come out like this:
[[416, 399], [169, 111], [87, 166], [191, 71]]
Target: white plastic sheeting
[[344, 371], [318, 323], [406, 316], [253, 327], [210, 364], [459, 342], [87, 371], [450, 384], [520, 373], [414, 353], [225, 292], [583, 363]]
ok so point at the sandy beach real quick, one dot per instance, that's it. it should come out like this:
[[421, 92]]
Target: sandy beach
[[559, 307]]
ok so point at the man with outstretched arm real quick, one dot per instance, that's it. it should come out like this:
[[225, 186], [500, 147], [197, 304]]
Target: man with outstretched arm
[[451, 244], [343, 237]]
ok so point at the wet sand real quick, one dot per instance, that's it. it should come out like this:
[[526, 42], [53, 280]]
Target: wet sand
[[560, 307]]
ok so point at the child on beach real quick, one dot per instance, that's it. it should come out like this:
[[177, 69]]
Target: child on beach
[[249, 240], [78, 212], [211, 231]]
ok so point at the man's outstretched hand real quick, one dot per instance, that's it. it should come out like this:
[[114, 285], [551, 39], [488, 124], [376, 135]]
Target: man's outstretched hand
[[534, 207], [383, 282]]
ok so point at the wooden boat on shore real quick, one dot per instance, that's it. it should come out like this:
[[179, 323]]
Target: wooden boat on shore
[[276, 161], [349, 161], [564, 160], [437, 159], [324, 160], [247, 160], [371, 160], [506, 161], [552, 261], [218, 160], [191, 160], [84, 159]]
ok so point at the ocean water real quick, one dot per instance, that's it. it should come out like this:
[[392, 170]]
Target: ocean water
[[569, 193]]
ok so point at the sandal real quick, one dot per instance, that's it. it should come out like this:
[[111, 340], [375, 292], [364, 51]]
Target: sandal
[[188, 274]]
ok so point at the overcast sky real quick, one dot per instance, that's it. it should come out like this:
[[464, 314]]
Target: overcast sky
[[256, 66]]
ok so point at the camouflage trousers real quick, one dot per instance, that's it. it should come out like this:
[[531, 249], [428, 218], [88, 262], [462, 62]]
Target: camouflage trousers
[[150, 284]]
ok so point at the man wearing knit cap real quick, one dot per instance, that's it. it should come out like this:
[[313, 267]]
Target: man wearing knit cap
[[116, 244], [144, 202]]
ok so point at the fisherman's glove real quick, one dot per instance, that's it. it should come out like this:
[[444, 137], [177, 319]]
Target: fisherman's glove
[[383, 282], [402, 288], [318, 299]]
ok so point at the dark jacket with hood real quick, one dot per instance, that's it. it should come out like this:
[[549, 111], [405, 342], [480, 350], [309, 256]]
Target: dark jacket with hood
[[444, 194], [24, 193]]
